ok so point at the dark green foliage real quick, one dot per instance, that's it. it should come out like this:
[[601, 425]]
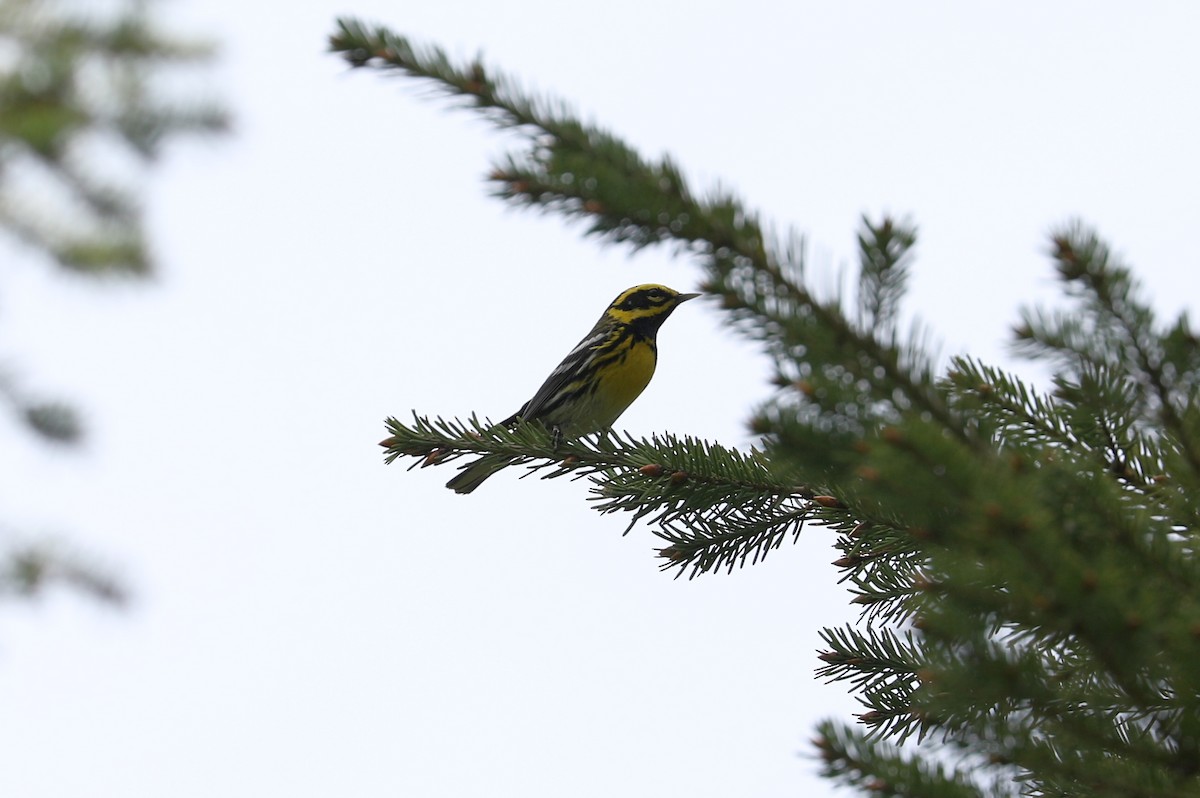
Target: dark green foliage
[[855, 759], [883, 270], [715, 507], [1025, 560]]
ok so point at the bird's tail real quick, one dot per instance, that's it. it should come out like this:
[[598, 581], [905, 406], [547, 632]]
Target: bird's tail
[[473, 475]]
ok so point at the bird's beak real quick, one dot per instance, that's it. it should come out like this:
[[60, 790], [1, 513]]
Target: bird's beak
[[686, 297]]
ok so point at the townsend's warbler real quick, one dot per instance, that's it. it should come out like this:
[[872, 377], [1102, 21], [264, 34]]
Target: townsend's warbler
[[600, 377]]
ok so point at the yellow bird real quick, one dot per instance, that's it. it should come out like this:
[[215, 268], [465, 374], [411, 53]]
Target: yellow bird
[[597, 380]]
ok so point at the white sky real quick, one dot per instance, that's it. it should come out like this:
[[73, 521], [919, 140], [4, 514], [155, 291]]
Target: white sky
[[311, 623]]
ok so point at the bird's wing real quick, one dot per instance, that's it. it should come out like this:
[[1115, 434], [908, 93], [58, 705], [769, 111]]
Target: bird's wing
[[574, 364]]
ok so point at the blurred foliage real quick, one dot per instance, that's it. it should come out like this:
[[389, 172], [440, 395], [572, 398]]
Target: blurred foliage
[[80, 92], [28, 570], [90, 93]]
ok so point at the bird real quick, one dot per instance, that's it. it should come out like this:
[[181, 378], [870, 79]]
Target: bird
[[597, 380]]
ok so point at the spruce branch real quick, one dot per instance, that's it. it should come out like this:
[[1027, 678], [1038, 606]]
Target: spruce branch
[[1116, 331], [1010, 412], [709, 522], [1092, 417], [715, 507], [489, 91], [728, 535], [884, 258], [854, 759], [887, 583], [885, 562], [664, 458], [874, 661]]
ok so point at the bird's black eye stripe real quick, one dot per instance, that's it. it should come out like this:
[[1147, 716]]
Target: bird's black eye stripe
[[645, 299]]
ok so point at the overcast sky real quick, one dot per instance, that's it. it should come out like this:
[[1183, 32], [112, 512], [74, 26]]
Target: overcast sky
[[308, 622]]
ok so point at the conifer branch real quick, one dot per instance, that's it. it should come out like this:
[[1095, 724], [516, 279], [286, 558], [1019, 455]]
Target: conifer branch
[[728, 535], [715, 507], [887, 583], [876, 662], [857, 760], [1013, 414], [1068, 423], [662, 459], [884, 256], [1116, 331]]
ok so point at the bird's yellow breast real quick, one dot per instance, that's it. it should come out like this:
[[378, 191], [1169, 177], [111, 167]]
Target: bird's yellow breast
[[617, 387]]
